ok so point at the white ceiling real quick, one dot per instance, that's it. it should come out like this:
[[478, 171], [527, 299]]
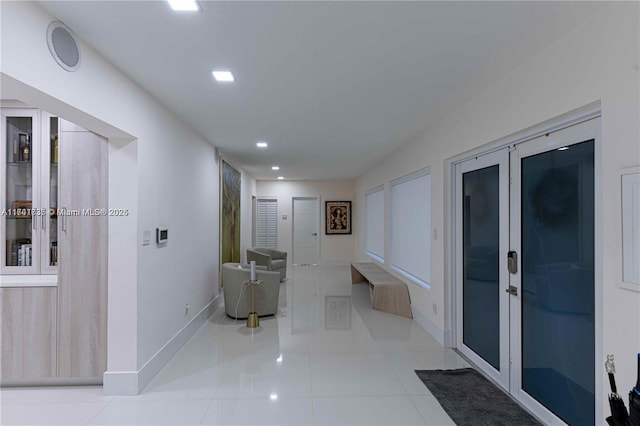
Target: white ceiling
[[332, 86]]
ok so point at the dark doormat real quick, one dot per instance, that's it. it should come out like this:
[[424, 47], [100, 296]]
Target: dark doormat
[[470, 399]]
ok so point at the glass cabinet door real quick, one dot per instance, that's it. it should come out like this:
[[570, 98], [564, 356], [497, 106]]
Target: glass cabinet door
[[20, 199], [50, 195]]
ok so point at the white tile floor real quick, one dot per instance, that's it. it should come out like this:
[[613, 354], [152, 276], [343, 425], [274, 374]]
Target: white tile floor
[[326, 359]]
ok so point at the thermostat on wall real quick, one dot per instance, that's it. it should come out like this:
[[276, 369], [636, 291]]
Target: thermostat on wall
[[162, 235]]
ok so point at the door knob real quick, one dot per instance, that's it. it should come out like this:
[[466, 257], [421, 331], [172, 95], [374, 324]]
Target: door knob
[[315, 234]]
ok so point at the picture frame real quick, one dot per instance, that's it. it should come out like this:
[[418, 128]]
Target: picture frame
[[337, 218], [230, 187]]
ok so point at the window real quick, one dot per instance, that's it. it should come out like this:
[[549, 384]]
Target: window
[[267, 223], [411, 226], [374, 210]]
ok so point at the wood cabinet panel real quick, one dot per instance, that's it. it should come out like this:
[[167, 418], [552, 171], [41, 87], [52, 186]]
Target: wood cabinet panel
[[83, 254], [29, 339]]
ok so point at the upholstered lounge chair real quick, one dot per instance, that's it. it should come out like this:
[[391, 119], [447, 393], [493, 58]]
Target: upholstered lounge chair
[[237, 295], [273, 260]]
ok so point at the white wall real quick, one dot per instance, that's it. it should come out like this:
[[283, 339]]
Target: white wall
[[335, 249], [596, 61], [172, 181]]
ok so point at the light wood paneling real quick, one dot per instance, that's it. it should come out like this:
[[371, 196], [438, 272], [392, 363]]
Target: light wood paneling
[[389, 294], [28, 332], [82, 288]]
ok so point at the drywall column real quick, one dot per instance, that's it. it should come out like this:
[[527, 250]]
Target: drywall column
[[121, 377]]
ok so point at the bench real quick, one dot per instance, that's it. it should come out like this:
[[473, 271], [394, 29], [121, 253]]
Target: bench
[[388, 294]]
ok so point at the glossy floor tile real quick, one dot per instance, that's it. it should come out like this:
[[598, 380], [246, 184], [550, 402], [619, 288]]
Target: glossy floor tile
[[384, 410], [262, 411], [50, 413], [354, 374], [325, 359], [176, 412]]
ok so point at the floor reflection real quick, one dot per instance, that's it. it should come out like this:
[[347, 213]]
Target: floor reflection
[[325, 358]]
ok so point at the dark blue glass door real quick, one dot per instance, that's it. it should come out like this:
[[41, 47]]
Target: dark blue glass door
[[481, 278], [557, 280]]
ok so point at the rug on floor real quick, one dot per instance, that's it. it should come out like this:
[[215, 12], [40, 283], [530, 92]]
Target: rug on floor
[[470, 399]]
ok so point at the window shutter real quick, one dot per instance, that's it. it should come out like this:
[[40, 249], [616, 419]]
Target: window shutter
[[267, 223]]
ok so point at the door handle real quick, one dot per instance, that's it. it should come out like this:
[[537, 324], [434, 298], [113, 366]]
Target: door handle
[[63, 220], [512, 290], [512, 262], [315, 234]]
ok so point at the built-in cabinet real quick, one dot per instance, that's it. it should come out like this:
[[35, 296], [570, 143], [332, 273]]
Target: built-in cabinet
[[29, 163], [53, 293], [82, 292], [29, 332]]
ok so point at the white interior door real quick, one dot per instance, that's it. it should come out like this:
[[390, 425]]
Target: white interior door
[[482, 215], [305, 231]]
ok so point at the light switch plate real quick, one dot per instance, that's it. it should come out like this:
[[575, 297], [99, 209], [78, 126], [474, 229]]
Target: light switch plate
[[146, 237]]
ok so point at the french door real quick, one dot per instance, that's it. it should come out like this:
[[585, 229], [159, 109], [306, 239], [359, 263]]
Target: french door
[[525, 287]]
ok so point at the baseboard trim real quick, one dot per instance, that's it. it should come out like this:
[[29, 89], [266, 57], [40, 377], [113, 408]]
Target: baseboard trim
[[52, 381], [123, 383], [133, 382], [442, 336]]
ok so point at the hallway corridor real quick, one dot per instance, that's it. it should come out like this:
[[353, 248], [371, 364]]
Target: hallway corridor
[[325, 359]]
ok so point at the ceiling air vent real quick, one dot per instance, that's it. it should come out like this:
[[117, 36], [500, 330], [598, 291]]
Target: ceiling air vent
[[63, 46]]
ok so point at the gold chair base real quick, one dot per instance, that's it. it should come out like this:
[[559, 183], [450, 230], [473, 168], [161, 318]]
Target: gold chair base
[[252, 320]]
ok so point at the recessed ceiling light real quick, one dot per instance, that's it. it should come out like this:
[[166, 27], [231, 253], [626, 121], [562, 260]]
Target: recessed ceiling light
[[273, 396], [223, 76], [280, 177], [262, 145], [184, 5], [275, 167]]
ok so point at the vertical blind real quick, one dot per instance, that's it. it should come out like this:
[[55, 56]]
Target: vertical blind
[[411, 226], [374, 211], [267, 223]]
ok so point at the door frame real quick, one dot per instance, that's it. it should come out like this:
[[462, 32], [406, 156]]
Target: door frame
[[318, 224], [569, 119]]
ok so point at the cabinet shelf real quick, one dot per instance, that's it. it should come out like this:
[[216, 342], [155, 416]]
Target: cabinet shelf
[[19, 163]]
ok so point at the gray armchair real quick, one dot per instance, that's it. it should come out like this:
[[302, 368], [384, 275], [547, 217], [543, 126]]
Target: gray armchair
[[273, 260], [237, 295]]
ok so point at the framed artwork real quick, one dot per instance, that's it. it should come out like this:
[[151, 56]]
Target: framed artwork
[[338, 217], [230, 214]]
